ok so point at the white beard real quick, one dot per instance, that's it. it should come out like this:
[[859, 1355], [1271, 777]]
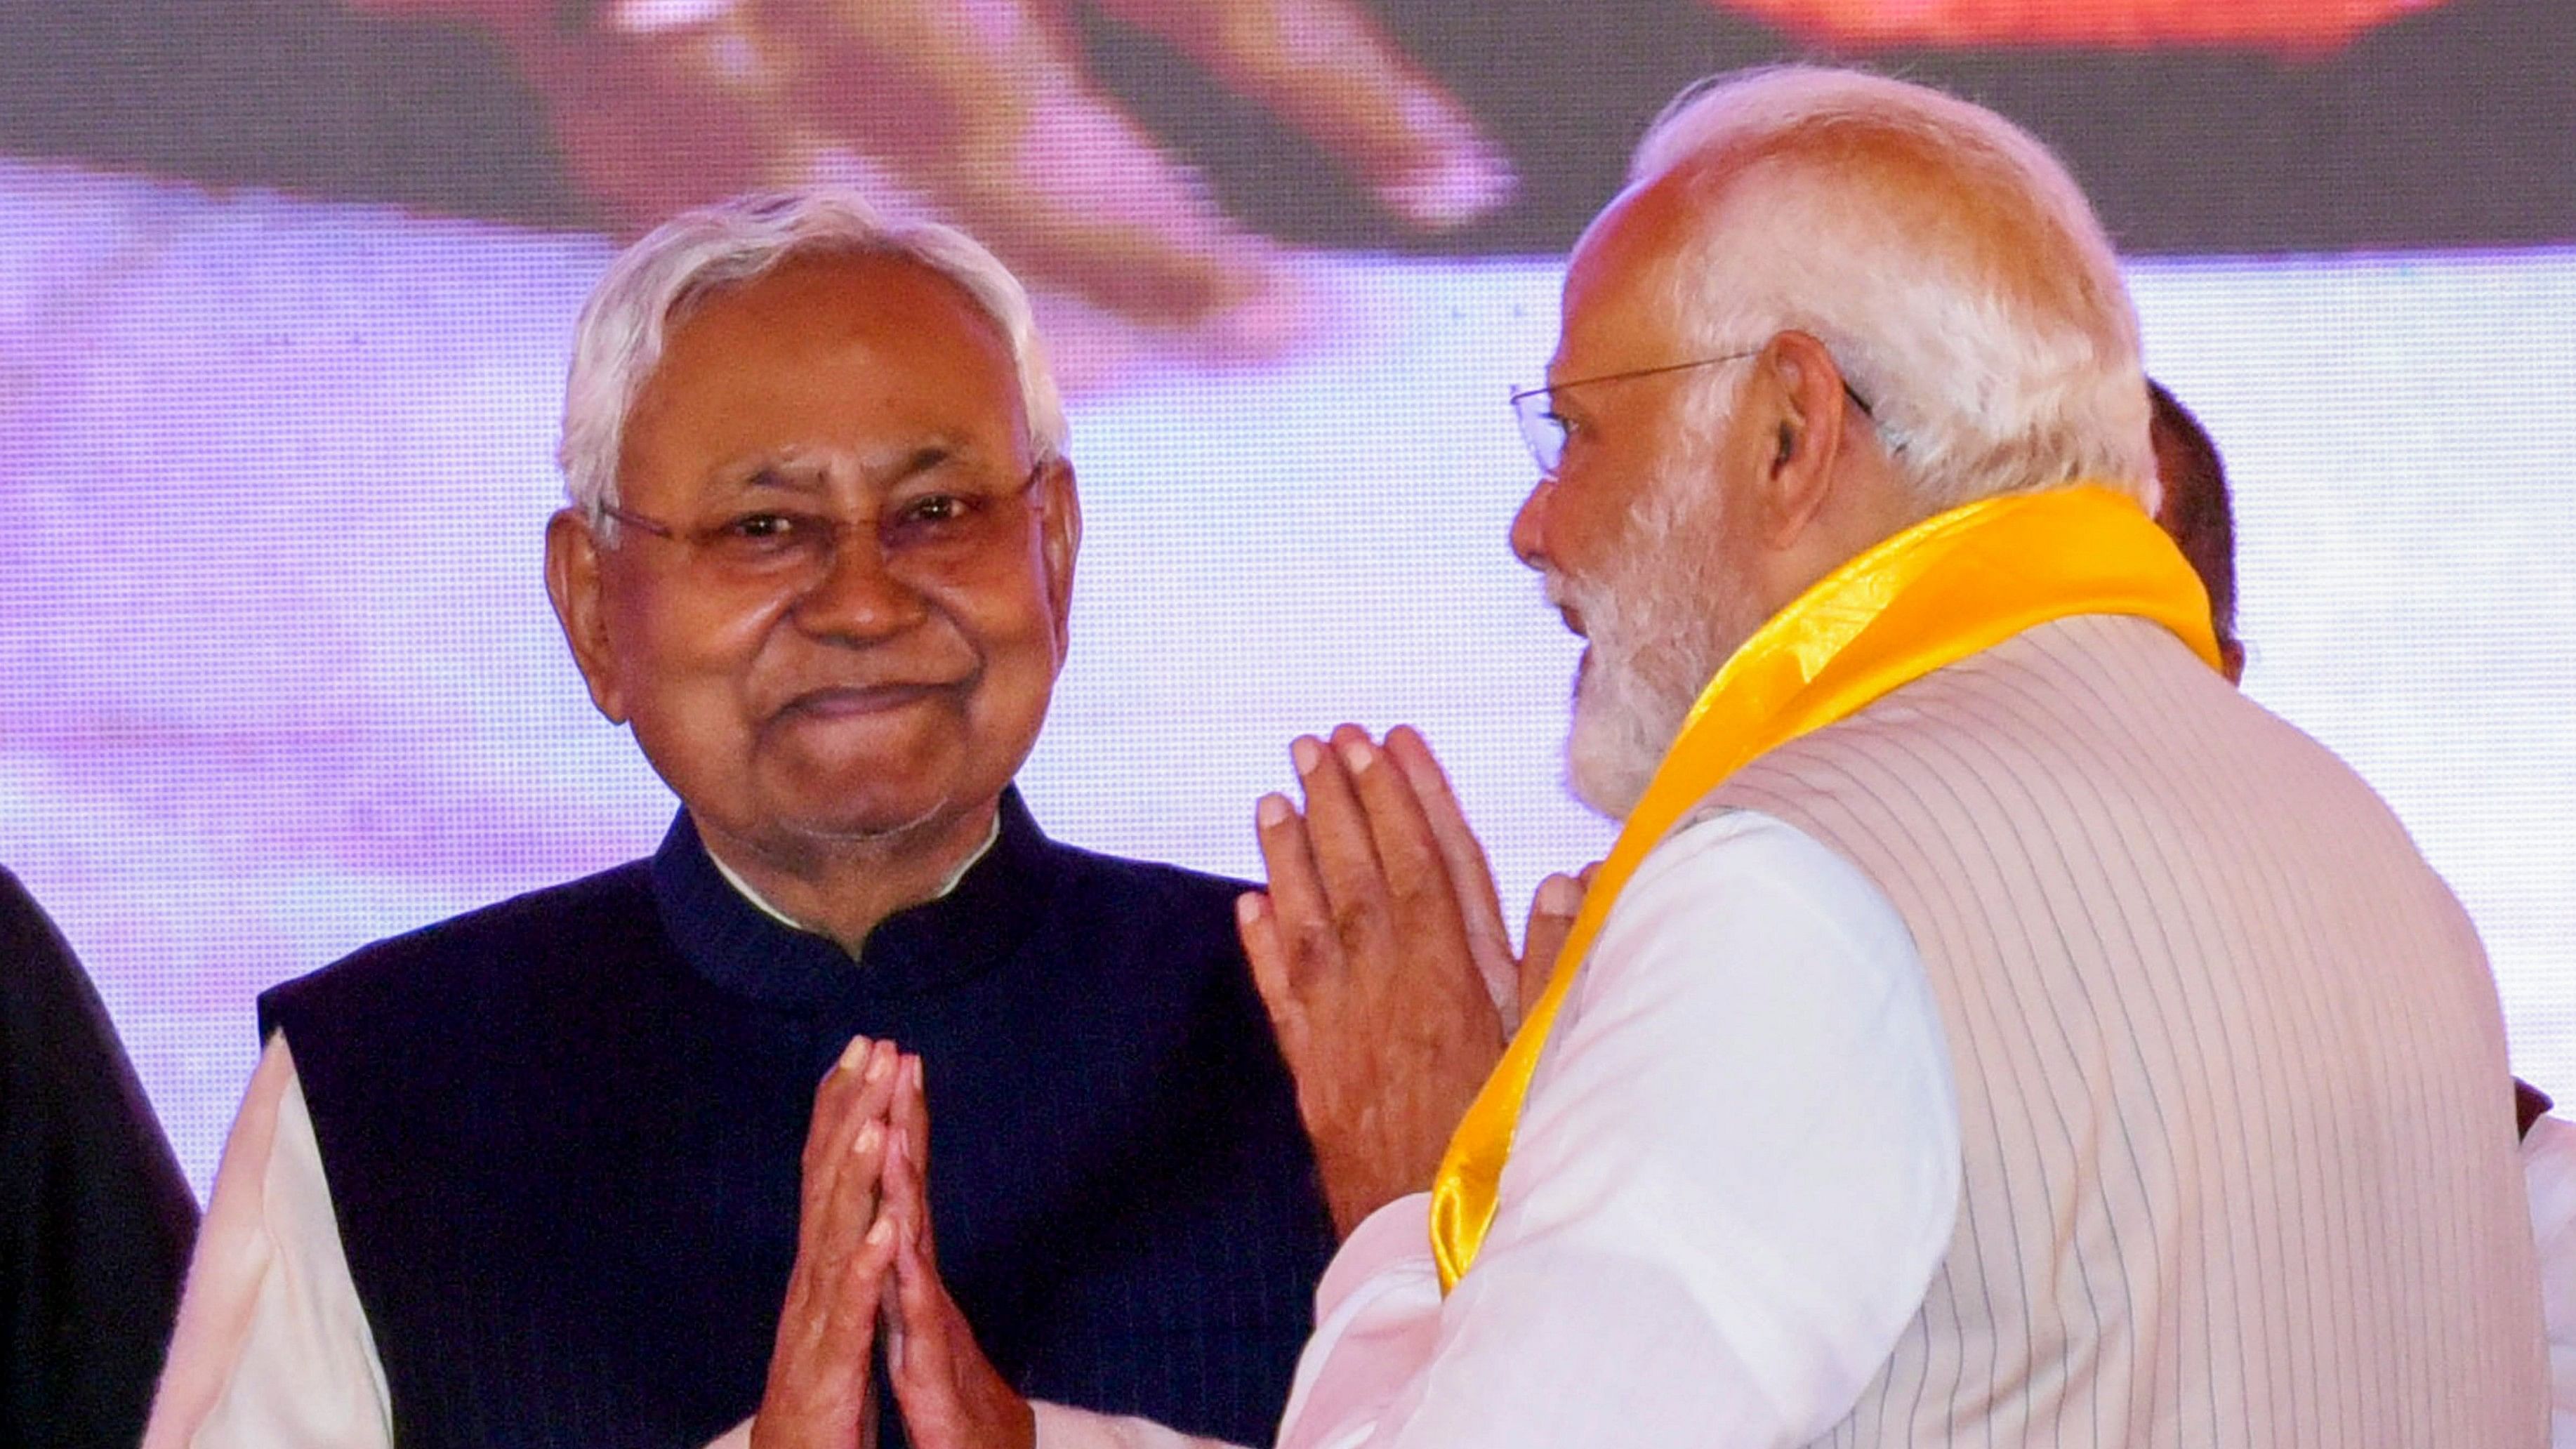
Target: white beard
[[1661, 622], [1627, 710]]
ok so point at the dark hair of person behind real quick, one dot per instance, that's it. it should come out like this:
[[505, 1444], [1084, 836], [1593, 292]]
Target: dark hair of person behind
[[2195, 509]]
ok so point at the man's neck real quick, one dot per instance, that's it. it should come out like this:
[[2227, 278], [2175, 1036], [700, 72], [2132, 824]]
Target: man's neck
[[844, 888]]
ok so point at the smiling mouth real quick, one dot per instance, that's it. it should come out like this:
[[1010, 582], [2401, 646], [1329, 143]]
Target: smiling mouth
[[863, 701]]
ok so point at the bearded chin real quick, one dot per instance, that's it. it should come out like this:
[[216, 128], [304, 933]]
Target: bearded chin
[[1639, 676], [1624, 722], [1652, 653]]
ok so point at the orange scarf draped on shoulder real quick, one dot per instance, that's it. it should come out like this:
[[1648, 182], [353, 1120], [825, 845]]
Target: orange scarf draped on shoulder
[[1942, 590]]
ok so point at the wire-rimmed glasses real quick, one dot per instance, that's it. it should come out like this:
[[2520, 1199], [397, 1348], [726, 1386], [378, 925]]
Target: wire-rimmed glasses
[[1546, 430]]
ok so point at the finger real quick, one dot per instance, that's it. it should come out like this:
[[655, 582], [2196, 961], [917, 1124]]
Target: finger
[[910, 1116], [835, 1099], [858, 1290], [925, 1309], [1300, 911], [1328, 69], [833, 1093], [654, 120], [1470, 877], [922, 1337], [1551, 920], [1345, 851], [896, 1201], [1012, 138], [846, 1213], [840, 1205], [828, 1329], [1422, 900], [903, 1203], [1257, 923], [899, 1207]]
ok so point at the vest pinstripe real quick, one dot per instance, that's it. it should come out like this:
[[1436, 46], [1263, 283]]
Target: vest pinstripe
[[2231, 1074]]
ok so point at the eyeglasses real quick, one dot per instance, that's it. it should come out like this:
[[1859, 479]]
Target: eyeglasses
[[1547, 431], [930, 522]]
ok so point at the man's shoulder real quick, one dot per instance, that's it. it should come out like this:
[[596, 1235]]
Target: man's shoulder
[[465, 958]]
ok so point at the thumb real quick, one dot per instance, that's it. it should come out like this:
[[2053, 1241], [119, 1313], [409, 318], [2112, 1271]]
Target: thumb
[[1551, 920]]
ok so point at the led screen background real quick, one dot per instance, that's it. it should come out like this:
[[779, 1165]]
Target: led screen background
[[285, 290]]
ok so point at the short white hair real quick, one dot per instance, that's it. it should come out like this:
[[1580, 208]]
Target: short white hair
[[1986, 370], [654, 283]]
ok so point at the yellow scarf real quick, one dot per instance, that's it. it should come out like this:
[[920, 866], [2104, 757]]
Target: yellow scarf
[[1940, 591]]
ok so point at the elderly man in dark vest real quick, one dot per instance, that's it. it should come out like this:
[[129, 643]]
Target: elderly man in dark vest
[[559, 1171]]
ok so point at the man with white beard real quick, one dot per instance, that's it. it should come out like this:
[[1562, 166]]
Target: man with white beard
[[1989, 1026]]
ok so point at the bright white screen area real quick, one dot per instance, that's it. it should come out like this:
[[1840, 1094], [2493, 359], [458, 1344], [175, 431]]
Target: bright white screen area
[[278, 678]]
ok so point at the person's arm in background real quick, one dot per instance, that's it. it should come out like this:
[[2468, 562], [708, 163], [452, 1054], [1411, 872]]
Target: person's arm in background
[[987, 113], [95, 1219]]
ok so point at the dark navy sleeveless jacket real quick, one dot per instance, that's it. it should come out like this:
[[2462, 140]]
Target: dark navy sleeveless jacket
[[561, 1136]]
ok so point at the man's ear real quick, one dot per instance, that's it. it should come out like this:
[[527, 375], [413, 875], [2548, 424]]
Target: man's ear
[[1806, 436], [573, 583], [1059, 541]]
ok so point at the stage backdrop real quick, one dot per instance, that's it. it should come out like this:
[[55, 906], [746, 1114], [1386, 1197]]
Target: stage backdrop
[[286, 285]]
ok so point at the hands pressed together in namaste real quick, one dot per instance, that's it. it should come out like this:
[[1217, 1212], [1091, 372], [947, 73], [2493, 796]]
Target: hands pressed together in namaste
[[1381, 953], [866, 1264]]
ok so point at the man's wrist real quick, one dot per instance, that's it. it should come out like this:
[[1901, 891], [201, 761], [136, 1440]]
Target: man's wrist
[[1355, 1188]]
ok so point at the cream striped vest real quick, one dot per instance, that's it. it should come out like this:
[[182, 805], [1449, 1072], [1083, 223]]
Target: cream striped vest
[[2235, 1114]]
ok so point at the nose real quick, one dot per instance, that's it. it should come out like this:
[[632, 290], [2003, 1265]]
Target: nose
[[1529, 526], [856, 597]]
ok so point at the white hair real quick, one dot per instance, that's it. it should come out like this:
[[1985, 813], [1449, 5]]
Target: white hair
[[654, 283], [1979, 309]]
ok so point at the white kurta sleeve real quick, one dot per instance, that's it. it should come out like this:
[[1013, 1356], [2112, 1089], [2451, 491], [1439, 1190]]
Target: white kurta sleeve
[[1734, 1176], [272, 1350]]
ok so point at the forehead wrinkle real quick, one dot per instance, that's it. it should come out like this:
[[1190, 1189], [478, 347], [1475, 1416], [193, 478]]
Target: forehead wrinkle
[[806, 468]]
